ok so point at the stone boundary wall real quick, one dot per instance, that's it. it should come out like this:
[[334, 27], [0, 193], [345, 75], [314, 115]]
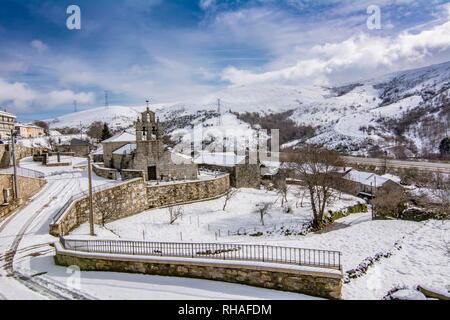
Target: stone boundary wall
[[120, 201], [58, 164], [135, 196], [310, 281], [21, 152], [186, 192], [128, 174], [103, 172], [27, 187]]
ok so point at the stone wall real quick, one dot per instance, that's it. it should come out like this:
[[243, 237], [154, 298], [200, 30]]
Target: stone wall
[[135, 196], [326, 284], [78, 151], [26, 186], [185, 192], [247, 176], [103, 172], [108, 148], [111, 204], [128, 174], [21, 152], [241, 175]]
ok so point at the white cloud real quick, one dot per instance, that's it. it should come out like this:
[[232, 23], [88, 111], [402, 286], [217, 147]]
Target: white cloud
[[360, 52], [39, 46], [206, 4], [19, 97]]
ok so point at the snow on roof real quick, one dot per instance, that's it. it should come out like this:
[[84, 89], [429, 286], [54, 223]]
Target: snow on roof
[[27, 125], [4, 113], [271, 164], [99, 151], [365, 178], [121, 137], [179, 154], [226, 159], [126, 149]]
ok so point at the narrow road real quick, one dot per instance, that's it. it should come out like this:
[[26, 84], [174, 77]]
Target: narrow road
[[441, 167], [24, 235]]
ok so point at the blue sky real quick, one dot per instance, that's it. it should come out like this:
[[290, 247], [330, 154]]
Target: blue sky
[[179, 50]]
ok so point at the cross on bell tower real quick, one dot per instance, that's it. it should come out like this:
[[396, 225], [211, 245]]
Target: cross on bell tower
[[147, 127]]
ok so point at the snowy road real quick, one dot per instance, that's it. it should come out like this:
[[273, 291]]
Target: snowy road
[[422, 165]]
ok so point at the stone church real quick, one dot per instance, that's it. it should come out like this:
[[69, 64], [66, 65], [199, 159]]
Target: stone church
[[146, 152]]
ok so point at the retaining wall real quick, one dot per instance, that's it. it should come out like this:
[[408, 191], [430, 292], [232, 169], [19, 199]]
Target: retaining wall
[[185, 192], [106, 173], [311, 281], [128, 174], [113, 203], [135, 196]]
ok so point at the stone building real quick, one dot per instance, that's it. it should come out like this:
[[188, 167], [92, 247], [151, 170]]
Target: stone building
[[6, 124], [80, 148], [242, 173], [146, 152], [367, 184]]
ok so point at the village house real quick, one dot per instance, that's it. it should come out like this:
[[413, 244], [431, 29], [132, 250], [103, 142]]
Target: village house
[[6, 124], [79, 147], [146, 152], [29, 130], [367, 184], [242, 173]]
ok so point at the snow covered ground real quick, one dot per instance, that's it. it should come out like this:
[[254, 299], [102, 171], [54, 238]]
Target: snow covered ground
[[419, 253], [412, 253], [34, 257]]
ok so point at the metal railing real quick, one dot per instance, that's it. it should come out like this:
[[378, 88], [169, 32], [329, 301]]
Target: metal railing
[[231, 251], [299, 227], [77, 196], [23, 172]]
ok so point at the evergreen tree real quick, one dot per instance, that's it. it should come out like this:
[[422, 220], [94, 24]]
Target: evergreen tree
[[444, 147], [105, 132]]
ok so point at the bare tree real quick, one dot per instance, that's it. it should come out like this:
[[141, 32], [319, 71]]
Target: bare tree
[[263, 209], [228, 196], [388, 203], [282, 189], [175, 213], [319, 170], [43, 125]]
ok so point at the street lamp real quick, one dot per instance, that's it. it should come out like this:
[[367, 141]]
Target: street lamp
[[13, 142], [91, 209]]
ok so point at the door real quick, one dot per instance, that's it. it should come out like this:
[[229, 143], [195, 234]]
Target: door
[[152, 173]]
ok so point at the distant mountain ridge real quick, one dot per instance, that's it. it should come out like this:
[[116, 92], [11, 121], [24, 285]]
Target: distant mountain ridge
[[357, 118]]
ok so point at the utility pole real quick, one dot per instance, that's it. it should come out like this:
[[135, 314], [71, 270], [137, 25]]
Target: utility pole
[[91, 208], [13, 142], [106, 99], [218, 111]]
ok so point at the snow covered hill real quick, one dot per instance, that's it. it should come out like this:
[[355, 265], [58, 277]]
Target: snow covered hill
[[354, 118]]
